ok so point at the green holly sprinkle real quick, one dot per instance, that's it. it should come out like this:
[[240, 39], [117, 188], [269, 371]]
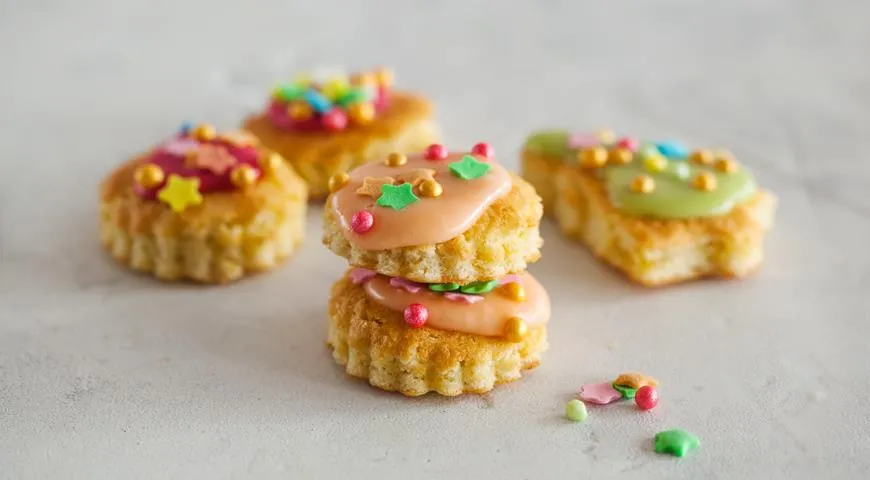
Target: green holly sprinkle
[[443, 287], [397, 197], [290, 92], [469, 168], [479, 287], [353, 95], [676, 442], [627, 392]]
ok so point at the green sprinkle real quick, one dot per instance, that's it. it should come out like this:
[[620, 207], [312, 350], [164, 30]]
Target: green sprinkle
[[627, 392], [469, 168], [575, 410], [397, 197], [353, 95], [479, 287], [290, 92], [676, 442], [443, 287]]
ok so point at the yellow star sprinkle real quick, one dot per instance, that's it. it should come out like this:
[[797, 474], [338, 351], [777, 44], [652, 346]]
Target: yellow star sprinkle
[[371, 186], [180, 193]]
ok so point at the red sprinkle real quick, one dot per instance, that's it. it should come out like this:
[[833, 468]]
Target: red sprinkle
[[362, 221], [646, 397], [483, 149], [334, 120], [436, 151], [628, 142], [416, 315]]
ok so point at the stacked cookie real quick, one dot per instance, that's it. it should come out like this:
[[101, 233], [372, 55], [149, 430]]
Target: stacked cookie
[[436, 298]]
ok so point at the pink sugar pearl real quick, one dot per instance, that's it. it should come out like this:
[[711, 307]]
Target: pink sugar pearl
[[483, 149], [416, 315], [361, 222], [646, 398], [436, 151]]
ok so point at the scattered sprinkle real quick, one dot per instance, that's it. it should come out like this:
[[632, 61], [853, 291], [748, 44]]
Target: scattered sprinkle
[[149, 175], [397, 197], [483, 149], [578, 141], [575, 411], [469, 168], [594, 157], [214, 158], [436, 151], [702, 157], [515, 330], [430, 188], [338, 181], [396, 160], [180, 147], [628, 143], [417, 176], [318, 102], [672, 150], [371, 186], [635, 380], [479, 287], [462, 297], [334, 120], [244, 175], [704, 181], [626, 392], [646, 398], [599, 393], [361, 275], [180, 193], [510, 278], [676, 442], [514, 291], [443, 287], [655, 162]]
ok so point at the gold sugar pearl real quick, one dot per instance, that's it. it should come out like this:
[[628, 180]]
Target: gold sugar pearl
[[726, 165], [338, 181], [270, 162], [704, 181], [430, 188], [243, 176], [606, 135], [514, 291], [299, 111], [701, 157], [149, 176], [643, 184], [204, 132], [396, 160], [515, 330], [364, 79], [620, 156], [385, 77], [594, 157]]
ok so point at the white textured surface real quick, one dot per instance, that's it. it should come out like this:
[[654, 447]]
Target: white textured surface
[[105, 374]]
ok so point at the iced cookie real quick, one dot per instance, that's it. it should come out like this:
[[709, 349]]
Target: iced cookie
[[203, 206], [323, 128], [655, 210], [415, 338], [434, 217]]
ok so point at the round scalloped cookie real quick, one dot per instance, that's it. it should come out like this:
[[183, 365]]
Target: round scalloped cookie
[[477, 229], [351, 133], [203, 206], [374, 342]]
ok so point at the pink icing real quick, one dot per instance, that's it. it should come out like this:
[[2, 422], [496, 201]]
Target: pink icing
[[405, 284], [276, 112], [583, 140], [463, 297], [361, 275], [599, 393], [512, 278], [171, 160]]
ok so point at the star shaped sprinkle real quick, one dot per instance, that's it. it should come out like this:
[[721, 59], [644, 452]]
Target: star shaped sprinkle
[[469, 168], [214, 158], [238, 138], [361, 275], [676, 442], [180, 147], [635, 380], [461, 297], [579, 141], [180, 193], [599, 393], [405, 284], [397, 197], [371, 186], [417, 176], [625, 391]]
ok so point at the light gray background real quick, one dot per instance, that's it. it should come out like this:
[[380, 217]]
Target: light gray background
[[106, 374]]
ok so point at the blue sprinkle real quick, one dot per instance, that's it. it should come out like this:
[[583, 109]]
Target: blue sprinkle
[[318, 102], [186, 126], [672, 150]]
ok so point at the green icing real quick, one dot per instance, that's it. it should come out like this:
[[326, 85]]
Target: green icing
[[674, 196], [552, 143]]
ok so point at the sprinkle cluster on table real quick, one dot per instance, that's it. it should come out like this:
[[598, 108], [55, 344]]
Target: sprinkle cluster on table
[[642, 389]]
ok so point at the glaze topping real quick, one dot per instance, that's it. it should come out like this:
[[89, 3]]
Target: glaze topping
[[424, 199]]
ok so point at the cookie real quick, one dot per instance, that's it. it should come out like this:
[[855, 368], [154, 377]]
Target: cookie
[[658, 212], [323, 128], [203, 206], [468, 343], [474, 229]]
